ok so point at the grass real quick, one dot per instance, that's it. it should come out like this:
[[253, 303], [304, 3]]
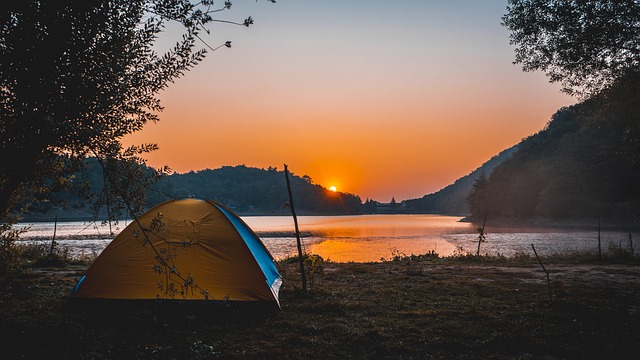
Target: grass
[[412, 307]]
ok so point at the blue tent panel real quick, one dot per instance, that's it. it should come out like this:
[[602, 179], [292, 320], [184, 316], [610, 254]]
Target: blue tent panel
[[260, 253]]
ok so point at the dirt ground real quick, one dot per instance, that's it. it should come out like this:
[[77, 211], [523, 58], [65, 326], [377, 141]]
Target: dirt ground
[[409, 309]]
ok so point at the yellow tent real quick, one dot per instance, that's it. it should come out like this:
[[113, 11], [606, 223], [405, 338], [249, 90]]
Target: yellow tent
[[185, 249]]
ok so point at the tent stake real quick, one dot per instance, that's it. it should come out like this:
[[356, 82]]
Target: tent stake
[[295, 221]]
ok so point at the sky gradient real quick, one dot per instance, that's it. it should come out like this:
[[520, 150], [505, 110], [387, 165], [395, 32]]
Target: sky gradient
[[379, 98]]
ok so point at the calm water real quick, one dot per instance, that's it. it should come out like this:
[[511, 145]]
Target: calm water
[[360, 238]]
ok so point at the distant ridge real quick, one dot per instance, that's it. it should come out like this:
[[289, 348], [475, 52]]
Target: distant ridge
[[452, 199], [256, 191], [249, 190], [245, 190]]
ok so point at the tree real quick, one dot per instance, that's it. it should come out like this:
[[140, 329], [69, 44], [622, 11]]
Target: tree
[[477, 199], [586, 45], [76, 76]]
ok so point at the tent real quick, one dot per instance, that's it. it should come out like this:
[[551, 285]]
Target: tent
[[186, 249]]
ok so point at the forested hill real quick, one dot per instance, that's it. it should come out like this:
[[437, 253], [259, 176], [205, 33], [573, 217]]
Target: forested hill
[[453, 199], [252, 190], [584, 165], [244, 189]]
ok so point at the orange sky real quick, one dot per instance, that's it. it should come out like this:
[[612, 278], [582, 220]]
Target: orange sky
[[381, 99]]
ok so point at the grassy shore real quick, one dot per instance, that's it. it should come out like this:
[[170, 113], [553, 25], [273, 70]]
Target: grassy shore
[[411, 308]]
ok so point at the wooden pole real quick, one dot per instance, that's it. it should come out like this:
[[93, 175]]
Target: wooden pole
[[599, 239], [545, 270], [295, 222], [53, 240]]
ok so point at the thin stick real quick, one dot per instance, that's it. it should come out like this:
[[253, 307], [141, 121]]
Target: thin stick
[[53, 240], [169, 268], [295, 221], [481, 236], [545, 270], [599, 239]]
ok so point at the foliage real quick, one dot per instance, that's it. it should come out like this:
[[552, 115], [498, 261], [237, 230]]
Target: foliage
[[586, 45], [75, 78], [9, 251], [477, 201], [626, 250], [42, 255], [15, 256], [244, 189], [586, 162], [399, 256], [462, 255], [173, 283], [583, 165], [314, 266]]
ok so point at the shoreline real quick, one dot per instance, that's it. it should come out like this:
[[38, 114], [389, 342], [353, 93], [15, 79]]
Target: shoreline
[[590, 224], [582, 224]]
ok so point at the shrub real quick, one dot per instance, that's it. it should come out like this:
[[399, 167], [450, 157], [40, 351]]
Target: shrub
[[10, 259]]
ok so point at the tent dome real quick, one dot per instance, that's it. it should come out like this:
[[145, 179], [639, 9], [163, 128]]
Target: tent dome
[[186, 249]]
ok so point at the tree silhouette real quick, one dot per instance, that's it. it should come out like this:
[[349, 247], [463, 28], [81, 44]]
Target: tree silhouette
[[76, 76], [586, 45], [584, 164]]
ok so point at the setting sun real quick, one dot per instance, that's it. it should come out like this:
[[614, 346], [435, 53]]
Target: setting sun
[[333, 188]]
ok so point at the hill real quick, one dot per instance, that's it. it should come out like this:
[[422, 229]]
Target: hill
[[244, 189], [453, 199], [584, 165], [250, 190]]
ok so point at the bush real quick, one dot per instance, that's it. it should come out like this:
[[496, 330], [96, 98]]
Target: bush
[[10, 259], [41, 255], [314, 266], [14, 256]]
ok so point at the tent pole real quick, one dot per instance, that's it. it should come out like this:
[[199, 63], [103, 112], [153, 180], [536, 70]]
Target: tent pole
[[295, 221]]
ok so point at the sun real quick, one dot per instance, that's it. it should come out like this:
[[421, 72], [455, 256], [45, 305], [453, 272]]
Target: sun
[[333, 188]]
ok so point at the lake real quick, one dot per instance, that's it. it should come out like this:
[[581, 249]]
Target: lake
[[360, 238]]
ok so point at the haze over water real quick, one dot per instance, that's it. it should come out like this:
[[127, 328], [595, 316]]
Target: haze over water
[[362, 238]]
